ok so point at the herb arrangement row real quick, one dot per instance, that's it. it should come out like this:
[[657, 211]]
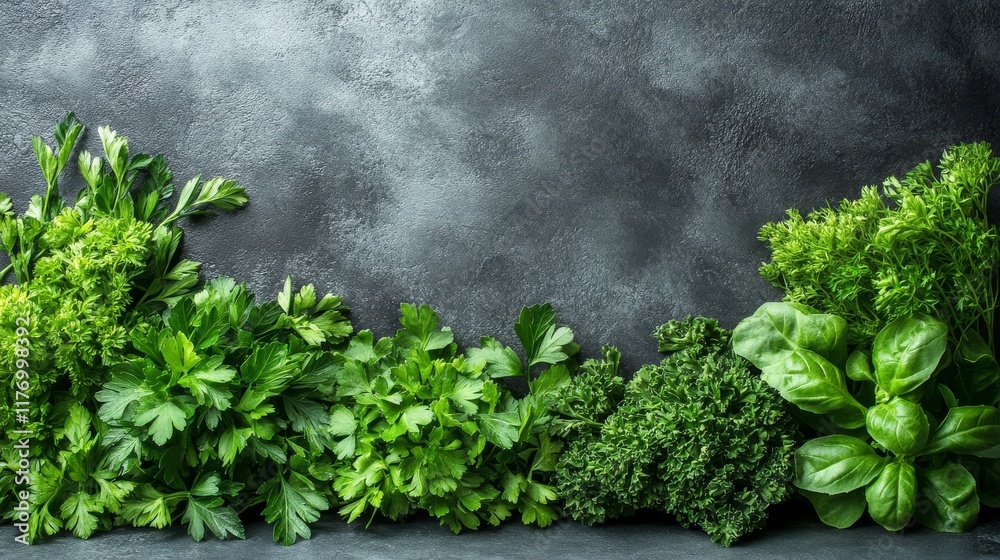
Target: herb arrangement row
[[152, 398]]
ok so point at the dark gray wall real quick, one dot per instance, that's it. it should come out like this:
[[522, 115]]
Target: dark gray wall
[[613, 157]]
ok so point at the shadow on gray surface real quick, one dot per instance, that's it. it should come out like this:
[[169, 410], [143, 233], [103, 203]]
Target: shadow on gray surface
[[792, 532]]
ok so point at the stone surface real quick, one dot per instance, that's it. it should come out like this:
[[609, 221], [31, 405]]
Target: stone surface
[[792, 532], [613, 157]]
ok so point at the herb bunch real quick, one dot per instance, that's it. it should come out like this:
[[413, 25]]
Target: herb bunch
[[224, 405], [86, 273], [895, 438], [426, 428], [922, 245], [697, 436]]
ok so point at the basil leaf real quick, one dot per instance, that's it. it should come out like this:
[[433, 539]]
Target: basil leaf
[[777, 330], [947, 395], [859, 366], [972, 430], [900, 425], [988, 482], [892, 496], [835, 464], [812, 383], [948, 500], [977, 380], [838, 510], [907, 351]]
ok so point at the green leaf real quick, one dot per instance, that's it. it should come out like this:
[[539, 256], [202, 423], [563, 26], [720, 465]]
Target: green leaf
[[948, 396], [988, 482], [78, 511], [907, 351], [558, 377], [978, 375], [165, 417], [466, 393], [184, 200], [66, 132], [210, 512], [232, 442], [222, 193], [972, 430], [500, 361], [207, 383], [122, 390], [838, 510], [266, 373], [420, 329], [307, 415], [859, 366], [892, 496], [778, 330], [178, 352], [531, 327], [207, 485], [416, 416], [285, 296], [812, 383], [291, 505], [550, 349], [148, 507], [46, 161], [77, 428], [835, 464], [342, 421], [948, 500], [500, 428], [899, 425]]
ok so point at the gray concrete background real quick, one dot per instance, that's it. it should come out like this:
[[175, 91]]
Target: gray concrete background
[[613, 157]]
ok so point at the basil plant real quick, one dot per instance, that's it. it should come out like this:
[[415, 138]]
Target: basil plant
[[899, 441]]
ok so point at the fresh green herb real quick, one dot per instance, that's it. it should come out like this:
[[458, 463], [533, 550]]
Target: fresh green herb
[[423, 427], [923, 246], [526, 467], [223, 406], [697, 436], [409, 436], [913, 452], [426, 428], [78, 491], [87, 273]]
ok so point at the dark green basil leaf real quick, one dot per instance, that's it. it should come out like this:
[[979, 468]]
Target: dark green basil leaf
[[859, 366], [838, 510], [947, 498], [947, 395], [835, 464], [907, 351], [892, 496], [972, 430], [987, 473], [900, 425], [778, 329], [977, 379], [812, 383]]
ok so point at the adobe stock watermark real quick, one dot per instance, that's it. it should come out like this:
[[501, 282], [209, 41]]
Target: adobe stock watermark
[[22, 443]]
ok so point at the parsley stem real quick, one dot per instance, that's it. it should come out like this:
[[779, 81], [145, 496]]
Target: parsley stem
[[578, 418]]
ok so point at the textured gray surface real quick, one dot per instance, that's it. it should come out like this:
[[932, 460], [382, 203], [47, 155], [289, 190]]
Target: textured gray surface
[[787, 537], [613, 157]]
